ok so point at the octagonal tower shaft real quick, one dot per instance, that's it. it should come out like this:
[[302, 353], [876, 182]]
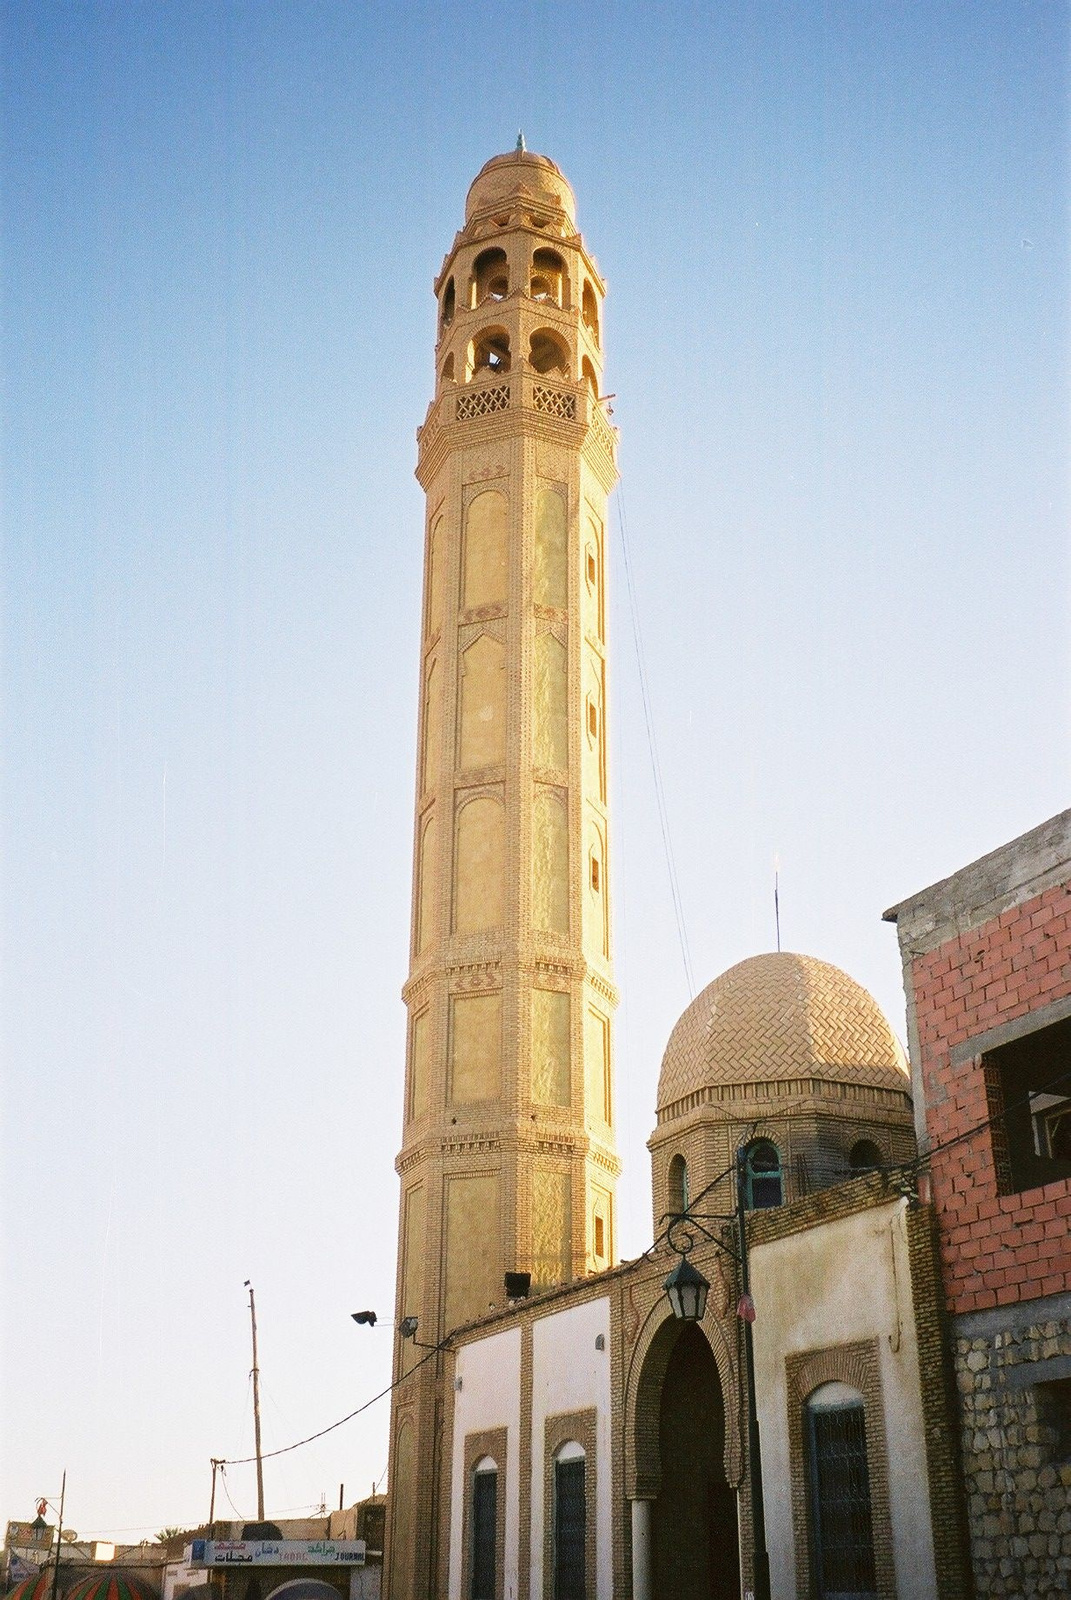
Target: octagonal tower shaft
[[508, 1158]]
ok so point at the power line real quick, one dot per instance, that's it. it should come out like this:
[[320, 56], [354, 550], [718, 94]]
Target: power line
[[285, 1450], [909, 1166], [656, 768]]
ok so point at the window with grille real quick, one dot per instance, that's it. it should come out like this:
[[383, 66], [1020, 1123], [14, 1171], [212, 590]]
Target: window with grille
[[841, 1528], [570, 1519], [484, 1530], [763, 1175]]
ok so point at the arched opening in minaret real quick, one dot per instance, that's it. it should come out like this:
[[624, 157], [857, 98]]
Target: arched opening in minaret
[[549, 353], [694, 1532], [678, 1184], [590, 377], [490, 351], [547, 282], [490, 276], [449, 303], [589, 312], [447, 374]]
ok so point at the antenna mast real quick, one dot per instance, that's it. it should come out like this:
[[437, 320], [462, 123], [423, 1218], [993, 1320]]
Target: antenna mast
[[256, 1404], [777, 902]]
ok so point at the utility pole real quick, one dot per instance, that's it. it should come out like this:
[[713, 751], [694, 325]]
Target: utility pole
[[256, 1405], [59, 1534]]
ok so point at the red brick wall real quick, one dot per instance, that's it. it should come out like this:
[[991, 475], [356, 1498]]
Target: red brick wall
[[996, 1248]]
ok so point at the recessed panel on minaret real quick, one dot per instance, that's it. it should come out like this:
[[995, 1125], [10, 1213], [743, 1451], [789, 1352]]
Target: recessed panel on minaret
[[508, 1159]]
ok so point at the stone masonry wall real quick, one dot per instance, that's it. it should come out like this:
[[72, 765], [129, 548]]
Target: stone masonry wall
[[1019, 1490]]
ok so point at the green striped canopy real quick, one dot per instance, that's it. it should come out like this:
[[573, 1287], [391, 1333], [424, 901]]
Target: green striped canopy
[[37, 1587], [114, 1584]]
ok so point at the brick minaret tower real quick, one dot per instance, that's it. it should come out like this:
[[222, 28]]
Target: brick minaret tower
[[508, 1160]]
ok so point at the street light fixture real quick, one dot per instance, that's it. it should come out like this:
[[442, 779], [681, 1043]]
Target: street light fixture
[[687, 1289]]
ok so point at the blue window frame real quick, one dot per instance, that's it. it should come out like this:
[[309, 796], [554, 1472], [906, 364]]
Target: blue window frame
[[762, 1176], [841, 1524], [570, 1529], [484, 1562]]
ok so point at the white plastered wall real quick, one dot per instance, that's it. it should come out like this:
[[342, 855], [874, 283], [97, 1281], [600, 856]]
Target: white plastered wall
[[839, 1283], [570, 1374], [489, 1371]]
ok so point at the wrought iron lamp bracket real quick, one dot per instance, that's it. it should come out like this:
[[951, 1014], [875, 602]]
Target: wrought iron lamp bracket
[[685, 1229]]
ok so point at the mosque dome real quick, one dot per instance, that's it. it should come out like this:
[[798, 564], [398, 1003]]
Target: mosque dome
[[520, 172], [780, 1017], [112, 1584]]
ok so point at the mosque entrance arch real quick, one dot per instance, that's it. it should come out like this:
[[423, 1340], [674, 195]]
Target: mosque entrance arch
[[680, 1454]]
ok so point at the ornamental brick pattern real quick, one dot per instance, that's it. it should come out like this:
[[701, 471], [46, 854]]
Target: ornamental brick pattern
[[508, 1160]]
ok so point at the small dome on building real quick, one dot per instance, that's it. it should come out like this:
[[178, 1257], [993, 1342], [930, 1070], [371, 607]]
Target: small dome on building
[[776, 1017], [36, 1587], [112, 1584], [520, 172], [304, 1589]]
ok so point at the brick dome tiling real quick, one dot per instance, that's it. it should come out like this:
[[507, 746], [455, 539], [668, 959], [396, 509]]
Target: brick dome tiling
[[781, 1017], [114, 1584], [520, 173]]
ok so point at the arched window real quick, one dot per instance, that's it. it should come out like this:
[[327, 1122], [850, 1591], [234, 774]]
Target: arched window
[[590, 312], [483, 1555], [449, 304], [762, 1176], [548, 353], [490, 276], [490, 351], [865, 1156], [587, 373], [678, 1184], [448, 370], [570, 1523], [838, 1493], [548, 277]]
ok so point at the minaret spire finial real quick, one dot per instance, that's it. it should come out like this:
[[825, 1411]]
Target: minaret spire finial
[[521, 146]]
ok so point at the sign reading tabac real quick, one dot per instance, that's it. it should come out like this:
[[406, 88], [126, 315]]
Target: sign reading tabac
[[278, 1552]]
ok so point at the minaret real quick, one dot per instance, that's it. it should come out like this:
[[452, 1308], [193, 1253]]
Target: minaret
[[508, 1160]]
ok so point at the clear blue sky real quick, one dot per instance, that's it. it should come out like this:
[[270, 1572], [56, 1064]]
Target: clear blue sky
[[836, 237]]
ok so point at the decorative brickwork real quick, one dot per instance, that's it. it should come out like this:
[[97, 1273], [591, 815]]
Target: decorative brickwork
[[554, 402], [578, 1427], [477, 1447], [510, 945], [482, 402], [856, 1365], [939, 1409], [789, 1049]]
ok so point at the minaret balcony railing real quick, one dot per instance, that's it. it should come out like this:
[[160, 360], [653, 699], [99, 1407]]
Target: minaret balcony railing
[[523, 388]]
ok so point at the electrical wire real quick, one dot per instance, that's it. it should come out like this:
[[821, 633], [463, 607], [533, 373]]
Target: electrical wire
[[227, 1492], [923, 1159], [285, 1450], [656, 766]]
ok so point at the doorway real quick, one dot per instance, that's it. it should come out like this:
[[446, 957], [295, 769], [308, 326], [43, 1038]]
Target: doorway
[[696, 1554]]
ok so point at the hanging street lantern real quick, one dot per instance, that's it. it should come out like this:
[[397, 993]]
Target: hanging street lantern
[[687, 1290]]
